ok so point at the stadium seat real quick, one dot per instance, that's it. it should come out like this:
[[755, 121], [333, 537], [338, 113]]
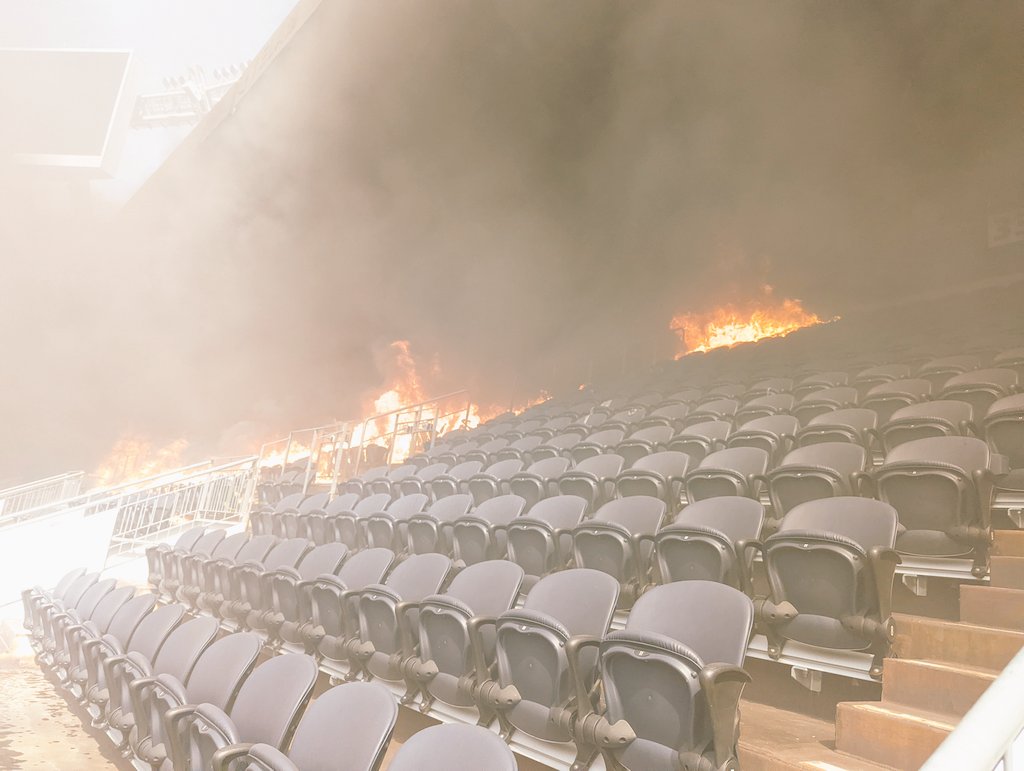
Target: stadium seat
[[357, 718], [264, 711], [660, 475], [700, 439], [938, 371], [830, 573], [217, 571], [453, 481], [854, 424], [538, 480], [67, 656], [121, 627], [387, 528], [454, 747], [712, 410], [430, 530], [672, 681], [480, 534], [246, 584], [825, 470], [285, 523], [346, 525], [438, 661], [822, 401], [611, 541], [1004, 429], [643, 441], [173, 561], [733, 471], [154, 562], [559, 446], [710, 541], [192, 581], [541, 541], [312, 524], [493, 480], [598, 443], [942, 417], [420, 481], [981, 387], [873, 376], [215, 679], [533, 687], [774, 434], [819, 381], [592, 479]]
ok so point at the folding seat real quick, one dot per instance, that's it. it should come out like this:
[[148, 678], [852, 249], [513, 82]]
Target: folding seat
[[612, 541], [700, 439], [559, 446], [480, 535], [176, 657], [551, 427], [205, 588], [453, 747], [727, 391], [359, 484], [325, 633], [146, 639], [390, 483], [215, 679], [868, 378], [493, 480], [264, 711], [174, 562], [734, 471], [520, 428], [533, 691], [763, 407], [68, 650], [830, 574], [596, 444], [711, 540], [818, 382], [347, 525], [261, 521], [773, 386], [456, 455], [775, 435], [32, 598], [672, 681], [428, 531], [826, 470], [659, 475], [186, 541], [854, 424], [643, 442], [1012, 358], [246, 586], [687, 396], [46, 607], [938, 371], [1004, 429], [486, 452], [981, 387], [283, 599], [539, 480], [358, 717], [541, 542], [455, 480], [81, 667], [376, 650], [886, 398], [825, 400], [437, 649], [715, 409], [592, 479], [387, 528], [312, 523], [420, 481], [286, 522], [671, 415], [58, 617], [519, 450], [942, 488], [942, 417]]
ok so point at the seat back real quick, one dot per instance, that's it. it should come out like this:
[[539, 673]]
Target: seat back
[[660, 475], [454, 747], [539, 479], [108, 607], [727, 472], [1004, 428], [128, 616], [886, 398], [942, 417], [699, 439], [184, 645], [981, 387], [592, 479], [817, 471], [151, 631], [481, 534], [852, 424], [427, 532], [534, 542]]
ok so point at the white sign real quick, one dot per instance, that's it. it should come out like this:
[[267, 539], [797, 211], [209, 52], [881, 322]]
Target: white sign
[[1005, 227]]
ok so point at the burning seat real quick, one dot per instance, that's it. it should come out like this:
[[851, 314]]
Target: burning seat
[[830, 573]]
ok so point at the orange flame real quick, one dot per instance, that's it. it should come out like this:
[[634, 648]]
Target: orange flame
[[133, 458], [732, 324]]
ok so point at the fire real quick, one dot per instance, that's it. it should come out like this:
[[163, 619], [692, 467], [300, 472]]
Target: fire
[[732, 324], [133, 458]]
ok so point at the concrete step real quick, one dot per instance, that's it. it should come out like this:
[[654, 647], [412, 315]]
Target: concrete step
[[773, 739], [992, 606], [950, 689], [1007, 572], [891, 734], [955, 642], [1008, 543]]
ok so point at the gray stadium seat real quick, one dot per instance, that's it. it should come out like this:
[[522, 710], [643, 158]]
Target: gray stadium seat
[[217, 571], [191, 581], [246, 584], [825, 470], [938, 371], [387, 528], [854, 424], [774, 434], [819, 381], [830, 572], [734, 471], [559, 446], [886, 398], [597, 443], [541, 541], [493, 480], [592, 479], [420, 481], [313, 523], [480, 535], [454, 747], [872, 376], [942, 417], [453, 482], [84, 667], [981, 387], [1004, 428], [643, 441], [824, 400], [659, 475], [430, 531], [701, 439], [539, 479], [185, 542], [347, 526], [712, 410]]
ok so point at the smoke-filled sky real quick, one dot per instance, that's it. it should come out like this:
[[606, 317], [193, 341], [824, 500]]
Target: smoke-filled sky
[[518, 189]]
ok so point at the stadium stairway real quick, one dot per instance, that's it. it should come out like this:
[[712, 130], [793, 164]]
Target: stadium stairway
[[940, 668]]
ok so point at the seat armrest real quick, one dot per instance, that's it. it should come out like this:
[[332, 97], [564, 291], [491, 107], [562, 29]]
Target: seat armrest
[[225, 756], [576, 643], [723, 685]]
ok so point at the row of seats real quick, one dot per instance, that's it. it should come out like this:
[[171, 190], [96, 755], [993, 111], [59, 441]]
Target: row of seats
[[181, 696], [460, 637]]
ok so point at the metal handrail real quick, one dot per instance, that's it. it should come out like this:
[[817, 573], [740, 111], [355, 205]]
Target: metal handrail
[[7, 492], [989, 734]]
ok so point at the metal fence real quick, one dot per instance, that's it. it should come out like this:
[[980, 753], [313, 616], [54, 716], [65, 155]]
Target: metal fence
[[40, 494]]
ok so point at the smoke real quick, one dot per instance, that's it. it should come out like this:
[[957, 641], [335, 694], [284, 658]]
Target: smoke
[[525, 191]]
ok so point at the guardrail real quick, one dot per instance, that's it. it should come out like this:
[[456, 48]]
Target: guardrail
[[42, 492], [991, 735]]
